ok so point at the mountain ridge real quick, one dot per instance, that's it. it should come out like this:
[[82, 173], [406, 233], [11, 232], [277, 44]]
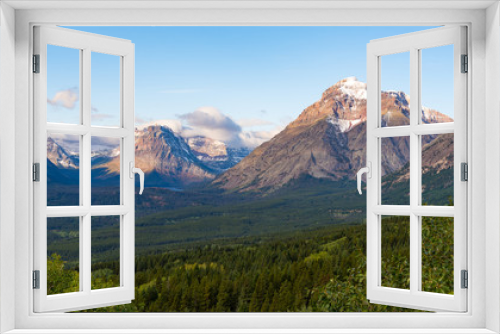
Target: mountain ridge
[[327, 140]]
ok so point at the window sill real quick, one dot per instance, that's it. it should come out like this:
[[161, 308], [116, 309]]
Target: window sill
[[250, 331]]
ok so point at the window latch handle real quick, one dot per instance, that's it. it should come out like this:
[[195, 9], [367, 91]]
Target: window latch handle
[[134, 170], [365, 170]]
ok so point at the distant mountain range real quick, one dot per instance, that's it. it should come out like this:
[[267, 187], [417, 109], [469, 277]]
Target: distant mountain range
[[327, 140], [167, 159]]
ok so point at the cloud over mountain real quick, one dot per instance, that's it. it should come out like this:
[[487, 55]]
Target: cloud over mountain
[[211, 123], [64, 98]]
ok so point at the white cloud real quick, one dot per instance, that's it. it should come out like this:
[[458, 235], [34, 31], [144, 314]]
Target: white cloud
[[72, 142], [104, 143], [211, 123], [253, 139], [251, 122], [174, 124], [68, 142], [64, 98]]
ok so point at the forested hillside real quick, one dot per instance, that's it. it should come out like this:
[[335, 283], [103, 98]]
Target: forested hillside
[[320, 270]]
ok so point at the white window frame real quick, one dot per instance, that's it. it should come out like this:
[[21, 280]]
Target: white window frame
[[86, 44], [483, 313], [413, 44]]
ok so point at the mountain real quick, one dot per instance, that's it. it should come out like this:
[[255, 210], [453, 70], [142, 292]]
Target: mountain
[[167, 160], [62, 165], [164, 157], [327, 140], [59, 156], [216, 154]]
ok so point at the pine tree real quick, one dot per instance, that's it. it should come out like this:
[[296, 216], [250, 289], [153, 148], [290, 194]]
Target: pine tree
[[224, 298]]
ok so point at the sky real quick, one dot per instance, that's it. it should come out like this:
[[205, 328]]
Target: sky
[[239, 84]]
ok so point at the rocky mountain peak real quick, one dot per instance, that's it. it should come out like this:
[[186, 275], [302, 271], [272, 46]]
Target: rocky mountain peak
[[327, 140], [349, 86], [206, 148], [343, 103], [59, 156]]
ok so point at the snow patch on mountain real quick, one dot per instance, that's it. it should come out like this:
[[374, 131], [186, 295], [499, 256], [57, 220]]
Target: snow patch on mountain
[[344, 125], [352, 87], [432, 116]]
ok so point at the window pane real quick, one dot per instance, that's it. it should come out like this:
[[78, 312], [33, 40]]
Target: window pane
[[105, 171], [63, 85], [63, 254], [395, 252], [106, 95], [437, 169], [437, 254], [395, 170], [395, 85], [105, 252], [63, 173], [437, 84]]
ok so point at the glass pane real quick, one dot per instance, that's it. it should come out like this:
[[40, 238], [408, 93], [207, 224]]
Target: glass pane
[[105, 252], [105, 171], [395, 85], [63, 85], [63, 173], [437, 84], [437, 169], [395, 271], [63, 255], [437, 254], [106, 95], [395, 170]]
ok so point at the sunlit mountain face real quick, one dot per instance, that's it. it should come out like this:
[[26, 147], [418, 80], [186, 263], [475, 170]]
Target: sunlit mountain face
[[328, 141]]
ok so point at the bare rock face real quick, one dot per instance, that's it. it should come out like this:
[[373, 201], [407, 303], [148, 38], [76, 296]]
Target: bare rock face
[[59, 157], [438, 154], [327, 140], [166, 157], [207, 149], [344, 102]]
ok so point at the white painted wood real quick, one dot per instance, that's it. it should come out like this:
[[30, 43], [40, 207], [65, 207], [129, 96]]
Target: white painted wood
[[257, 331], [492, 24], [415, 297], [86, 298], [248, 4], [415, 115], [7, 167], [421, 129], [407, 210]]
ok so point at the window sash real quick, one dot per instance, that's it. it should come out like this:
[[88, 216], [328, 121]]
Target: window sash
[[86, 297], [414, 297]]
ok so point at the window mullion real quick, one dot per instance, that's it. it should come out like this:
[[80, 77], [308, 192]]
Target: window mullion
[[415, 246], [86, 167]]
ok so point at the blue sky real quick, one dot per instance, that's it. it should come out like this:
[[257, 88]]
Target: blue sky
[[259, 77]]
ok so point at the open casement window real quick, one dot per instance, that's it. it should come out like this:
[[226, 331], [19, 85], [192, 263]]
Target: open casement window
[[435, 230], [68, 67]]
